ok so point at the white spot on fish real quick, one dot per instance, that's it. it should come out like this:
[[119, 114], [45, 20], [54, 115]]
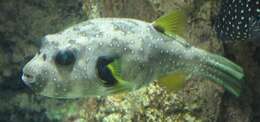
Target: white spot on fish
[[149, 45], [161, 51], [160, 62], [100, 43], [45, 72], [111, 45], [56, 94]]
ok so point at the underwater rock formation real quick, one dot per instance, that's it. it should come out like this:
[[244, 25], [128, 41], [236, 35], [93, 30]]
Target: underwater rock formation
[[22, 23]]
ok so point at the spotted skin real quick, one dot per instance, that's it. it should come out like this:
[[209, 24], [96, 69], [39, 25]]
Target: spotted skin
[[145, 55], [237, 20]]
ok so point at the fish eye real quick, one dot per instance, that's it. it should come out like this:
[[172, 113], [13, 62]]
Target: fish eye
[[65, 57], [104, 73]]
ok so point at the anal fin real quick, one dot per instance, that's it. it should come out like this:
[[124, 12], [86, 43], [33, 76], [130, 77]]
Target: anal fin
[[173, 81]]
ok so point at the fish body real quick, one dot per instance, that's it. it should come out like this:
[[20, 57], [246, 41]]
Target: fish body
[[109, 55], [238, 20]]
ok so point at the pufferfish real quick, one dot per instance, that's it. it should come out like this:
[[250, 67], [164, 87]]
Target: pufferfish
[[239, 20], [104, 56]]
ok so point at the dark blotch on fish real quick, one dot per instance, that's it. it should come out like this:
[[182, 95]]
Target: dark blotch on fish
[[125, 28], [103, 71]]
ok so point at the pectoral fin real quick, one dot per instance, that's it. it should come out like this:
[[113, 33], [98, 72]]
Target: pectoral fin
[[115, 67], [122, 85]]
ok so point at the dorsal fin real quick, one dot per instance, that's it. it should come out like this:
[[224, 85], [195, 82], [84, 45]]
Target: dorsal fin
[[172, 23]]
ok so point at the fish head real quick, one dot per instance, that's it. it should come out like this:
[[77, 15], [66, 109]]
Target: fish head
[[60, 69]]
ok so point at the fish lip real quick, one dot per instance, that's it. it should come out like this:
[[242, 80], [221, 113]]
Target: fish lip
[[28, 79]]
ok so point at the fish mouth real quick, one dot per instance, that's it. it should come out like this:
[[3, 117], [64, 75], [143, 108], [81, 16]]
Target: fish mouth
[[28, 79]]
